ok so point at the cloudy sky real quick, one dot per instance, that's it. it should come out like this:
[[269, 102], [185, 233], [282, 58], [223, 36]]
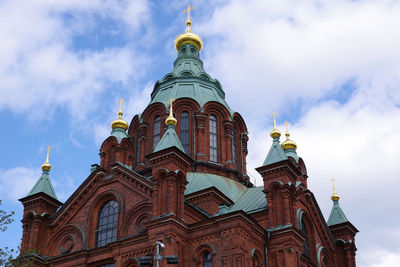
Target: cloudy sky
[[331, 68]]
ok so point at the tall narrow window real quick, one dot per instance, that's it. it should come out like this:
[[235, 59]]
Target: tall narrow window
[[156, 131], [234, 145], [107, 223], [306, 247], [138, 150], [207, 260], [213, 139], [184, 131]]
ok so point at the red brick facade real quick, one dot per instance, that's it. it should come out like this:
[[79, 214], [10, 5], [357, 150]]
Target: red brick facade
[[149, 189]]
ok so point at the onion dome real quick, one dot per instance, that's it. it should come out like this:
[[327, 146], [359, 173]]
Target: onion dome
[[46, 165], [171, 119], [334, 197], [275, 133], [120, 122], [188, 37], [288, 143]]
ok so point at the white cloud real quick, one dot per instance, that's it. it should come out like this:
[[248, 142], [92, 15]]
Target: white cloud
[[291, 50], [17, 182], [40, 68]]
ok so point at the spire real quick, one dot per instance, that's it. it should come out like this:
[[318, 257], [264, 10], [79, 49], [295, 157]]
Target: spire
[[44, 185], [171, 119], [275, 133], [188, 37], [276, 152], [46, 165], [170, 138], [120, 122], [337, 215], [119, 126], [289, 146]]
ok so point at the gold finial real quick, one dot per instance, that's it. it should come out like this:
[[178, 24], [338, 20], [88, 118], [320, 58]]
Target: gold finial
[[188, 20], [46, 165], [188, 37], [120, 122], [171, 119], [335, 197], [120, 113], [275, 133], [288, 144]]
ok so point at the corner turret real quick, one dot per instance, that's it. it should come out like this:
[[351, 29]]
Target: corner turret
[[39, 205], [343, 232]]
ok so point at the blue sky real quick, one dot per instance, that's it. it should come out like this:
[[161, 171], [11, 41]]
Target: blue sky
[[331, 68]]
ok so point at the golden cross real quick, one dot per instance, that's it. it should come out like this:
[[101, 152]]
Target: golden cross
[[48, 151], [333, 184], [170, 106], [187, 10], [274, 117], [287, 126], [120, 104]]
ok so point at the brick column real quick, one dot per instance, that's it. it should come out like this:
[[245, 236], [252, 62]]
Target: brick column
[[201, 138]]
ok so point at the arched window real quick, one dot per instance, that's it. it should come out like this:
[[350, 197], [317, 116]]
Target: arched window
[[184, 131], [234, 145], [207, 259], [306, 243], [156, 131], [107, 223], [213, 139]]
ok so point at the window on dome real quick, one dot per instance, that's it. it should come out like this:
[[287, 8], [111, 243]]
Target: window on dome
[[107, 224], [156, 131], [213, 139], [234, 145], [184, 131], [207, 260]]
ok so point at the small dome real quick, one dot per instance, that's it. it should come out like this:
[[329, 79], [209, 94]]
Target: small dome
[[46, 165], [120, 122], [188, 37], [289, 144]]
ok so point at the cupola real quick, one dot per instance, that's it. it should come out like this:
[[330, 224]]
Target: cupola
[[188, 37]]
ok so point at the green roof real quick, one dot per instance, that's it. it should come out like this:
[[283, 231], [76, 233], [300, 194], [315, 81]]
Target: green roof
[[244, 198], [199, 181], [188, 80], [43, 185], [275, 153], [119, 133], [252, 200], [337, 215], [292, 153], [169, 139]]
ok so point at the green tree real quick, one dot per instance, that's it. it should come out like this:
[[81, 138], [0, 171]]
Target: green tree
[[6, 254]]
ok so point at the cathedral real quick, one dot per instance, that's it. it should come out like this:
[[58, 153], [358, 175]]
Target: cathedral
[[171, 188]]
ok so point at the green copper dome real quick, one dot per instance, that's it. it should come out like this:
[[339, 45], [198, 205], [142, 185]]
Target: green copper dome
[[188, 80]]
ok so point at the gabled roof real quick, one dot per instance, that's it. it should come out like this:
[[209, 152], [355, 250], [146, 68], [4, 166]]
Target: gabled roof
[[169, 139], [275, 153], [243, 198], [198, 181], [337, 215], [43, 185]]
